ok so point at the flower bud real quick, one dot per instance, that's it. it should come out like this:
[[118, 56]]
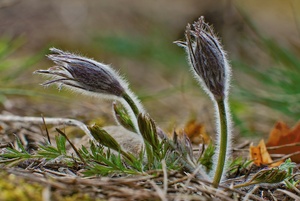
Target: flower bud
[[83, 74], [122, 117], [207, 58]]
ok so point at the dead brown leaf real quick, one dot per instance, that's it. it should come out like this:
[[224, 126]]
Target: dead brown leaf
[[282, 135], [196, 132], [260, 155]]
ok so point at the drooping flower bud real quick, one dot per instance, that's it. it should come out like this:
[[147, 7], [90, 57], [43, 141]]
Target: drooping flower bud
[[207, 58], [83, 74]]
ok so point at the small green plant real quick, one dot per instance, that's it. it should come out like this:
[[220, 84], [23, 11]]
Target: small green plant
[[19, 153], [272, 175], [238, 165], [205, 158]]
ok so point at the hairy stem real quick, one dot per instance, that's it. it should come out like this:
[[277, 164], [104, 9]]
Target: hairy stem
[[132, 109], [131, 103], [222, 142]]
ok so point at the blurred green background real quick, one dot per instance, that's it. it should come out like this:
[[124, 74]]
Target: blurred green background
[[136, 37]]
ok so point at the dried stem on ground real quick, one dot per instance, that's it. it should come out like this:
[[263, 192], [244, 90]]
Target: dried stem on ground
[[47, 120]]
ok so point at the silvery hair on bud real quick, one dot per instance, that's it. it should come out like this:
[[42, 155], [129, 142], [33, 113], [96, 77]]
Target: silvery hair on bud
[[210, 68], [83, 75], [87, 76], [207, 59]]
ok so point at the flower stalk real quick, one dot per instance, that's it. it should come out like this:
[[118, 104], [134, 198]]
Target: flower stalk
[[222, 149], [210, 66], [132, 104]]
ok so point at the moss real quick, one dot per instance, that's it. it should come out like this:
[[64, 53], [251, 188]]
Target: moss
[[14, 188]]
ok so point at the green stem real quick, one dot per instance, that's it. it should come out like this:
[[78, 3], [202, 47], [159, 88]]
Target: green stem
[[222, 143], [131, 103], [245, 184]]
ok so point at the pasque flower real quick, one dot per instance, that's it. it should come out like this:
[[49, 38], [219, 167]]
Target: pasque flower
[[210, 66], [92, 78], [207, 58], [83, 74]]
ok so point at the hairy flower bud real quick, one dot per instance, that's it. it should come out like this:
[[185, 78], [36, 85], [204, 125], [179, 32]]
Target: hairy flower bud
[[83, 74], [207, 58]]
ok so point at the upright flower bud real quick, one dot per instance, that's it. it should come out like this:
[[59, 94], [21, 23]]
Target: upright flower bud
[[83, 74], [207, 58], [210, 66]]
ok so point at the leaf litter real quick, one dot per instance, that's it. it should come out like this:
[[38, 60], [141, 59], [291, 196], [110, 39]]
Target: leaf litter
[[65, 179]]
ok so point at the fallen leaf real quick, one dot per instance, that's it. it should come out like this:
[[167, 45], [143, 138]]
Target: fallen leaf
[[259, 154], [282, 135], [280, 130], [196, 132]]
